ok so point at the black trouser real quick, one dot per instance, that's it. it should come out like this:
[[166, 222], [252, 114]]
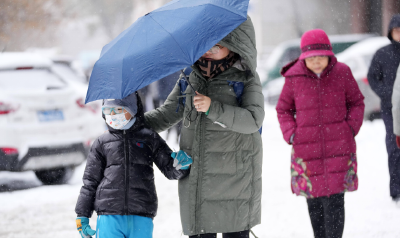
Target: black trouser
[[393, 152], [327, 216], [239, 234]]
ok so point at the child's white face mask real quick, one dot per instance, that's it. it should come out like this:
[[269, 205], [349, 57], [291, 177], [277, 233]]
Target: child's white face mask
[[117, 121]]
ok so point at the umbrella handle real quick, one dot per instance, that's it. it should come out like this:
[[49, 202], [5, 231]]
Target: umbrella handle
[[183, 75], [186, 95]]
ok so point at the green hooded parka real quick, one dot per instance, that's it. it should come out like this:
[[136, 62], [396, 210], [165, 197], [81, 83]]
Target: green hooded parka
[[223, 190]]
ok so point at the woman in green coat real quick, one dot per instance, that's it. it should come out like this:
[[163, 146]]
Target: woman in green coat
[[222, 194]]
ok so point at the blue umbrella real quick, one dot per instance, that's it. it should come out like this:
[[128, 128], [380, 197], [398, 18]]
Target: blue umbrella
[[162, 42]]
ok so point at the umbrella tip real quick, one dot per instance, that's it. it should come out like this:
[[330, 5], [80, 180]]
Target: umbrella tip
[[147, 14]]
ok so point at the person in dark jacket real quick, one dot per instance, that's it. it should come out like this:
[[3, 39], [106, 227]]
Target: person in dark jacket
[[381, 77], [119, 179]]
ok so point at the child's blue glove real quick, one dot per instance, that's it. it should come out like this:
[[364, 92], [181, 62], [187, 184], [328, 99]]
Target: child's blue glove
[[181, 160], [82, 224]]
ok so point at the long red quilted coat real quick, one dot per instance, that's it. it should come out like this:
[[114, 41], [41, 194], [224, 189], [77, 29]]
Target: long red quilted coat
[[324, 114]]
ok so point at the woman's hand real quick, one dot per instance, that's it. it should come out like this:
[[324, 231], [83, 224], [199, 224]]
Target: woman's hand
[[201, 103]]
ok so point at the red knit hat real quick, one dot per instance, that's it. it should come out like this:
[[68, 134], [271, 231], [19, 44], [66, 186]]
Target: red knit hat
[[315, 43]]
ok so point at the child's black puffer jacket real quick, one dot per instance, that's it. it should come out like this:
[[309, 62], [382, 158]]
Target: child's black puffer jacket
[[119, 177]]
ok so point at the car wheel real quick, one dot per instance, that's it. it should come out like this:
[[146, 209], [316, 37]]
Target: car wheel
[[55, 176]]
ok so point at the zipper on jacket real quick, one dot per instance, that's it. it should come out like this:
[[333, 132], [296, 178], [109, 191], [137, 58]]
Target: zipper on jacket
[[126, 208], [200, 175], [321, 126]]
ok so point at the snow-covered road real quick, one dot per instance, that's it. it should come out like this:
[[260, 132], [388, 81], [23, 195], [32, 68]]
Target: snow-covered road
[[48, 211]]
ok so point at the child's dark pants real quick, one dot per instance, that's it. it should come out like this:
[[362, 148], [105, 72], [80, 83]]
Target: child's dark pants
[[240, 234], [327, 216]]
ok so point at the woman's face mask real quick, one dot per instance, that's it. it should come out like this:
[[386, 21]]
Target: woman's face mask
[[117, 121]]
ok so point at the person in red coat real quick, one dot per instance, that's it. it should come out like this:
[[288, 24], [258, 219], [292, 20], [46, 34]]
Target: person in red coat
[[320, 111]]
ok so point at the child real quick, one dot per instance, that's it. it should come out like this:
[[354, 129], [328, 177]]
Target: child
[[119, 179], [320, 111]]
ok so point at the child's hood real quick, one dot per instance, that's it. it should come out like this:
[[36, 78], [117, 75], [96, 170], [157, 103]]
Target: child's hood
[[298, 68], [130, 103], [133, 104]]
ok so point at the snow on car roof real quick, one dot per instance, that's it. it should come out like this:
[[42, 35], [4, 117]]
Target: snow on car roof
[[13, 60], [367, 46]]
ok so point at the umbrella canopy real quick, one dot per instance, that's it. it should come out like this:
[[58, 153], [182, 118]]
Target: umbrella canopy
[[162, 42]]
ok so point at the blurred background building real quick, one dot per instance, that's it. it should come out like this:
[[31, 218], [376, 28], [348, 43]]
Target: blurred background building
[[75, 26], [277, 21]]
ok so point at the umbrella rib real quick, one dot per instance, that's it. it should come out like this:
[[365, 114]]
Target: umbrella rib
[[227, 10], [170, 35], [198, 5]]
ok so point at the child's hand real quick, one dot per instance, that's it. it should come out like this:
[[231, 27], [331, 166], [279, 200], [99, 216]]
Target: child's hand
[[181, 160], [82, 224]]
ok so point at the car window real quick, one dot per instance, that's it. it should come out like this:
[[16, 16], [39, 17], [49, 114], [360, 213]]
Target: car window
[[67, 73], [338, 47], [29, 79], [289, 55], [274, 57]]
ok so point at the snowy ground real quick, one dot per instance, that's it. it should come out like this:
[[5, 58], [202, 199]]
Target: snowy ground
[[34, 210]]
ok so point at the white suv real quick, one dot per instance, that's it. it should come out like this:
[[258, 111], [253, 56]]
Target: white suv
[[44, 124]]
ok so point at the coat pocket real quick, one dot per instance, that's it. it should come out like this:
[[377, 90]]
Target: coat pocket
[[220, 163]]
